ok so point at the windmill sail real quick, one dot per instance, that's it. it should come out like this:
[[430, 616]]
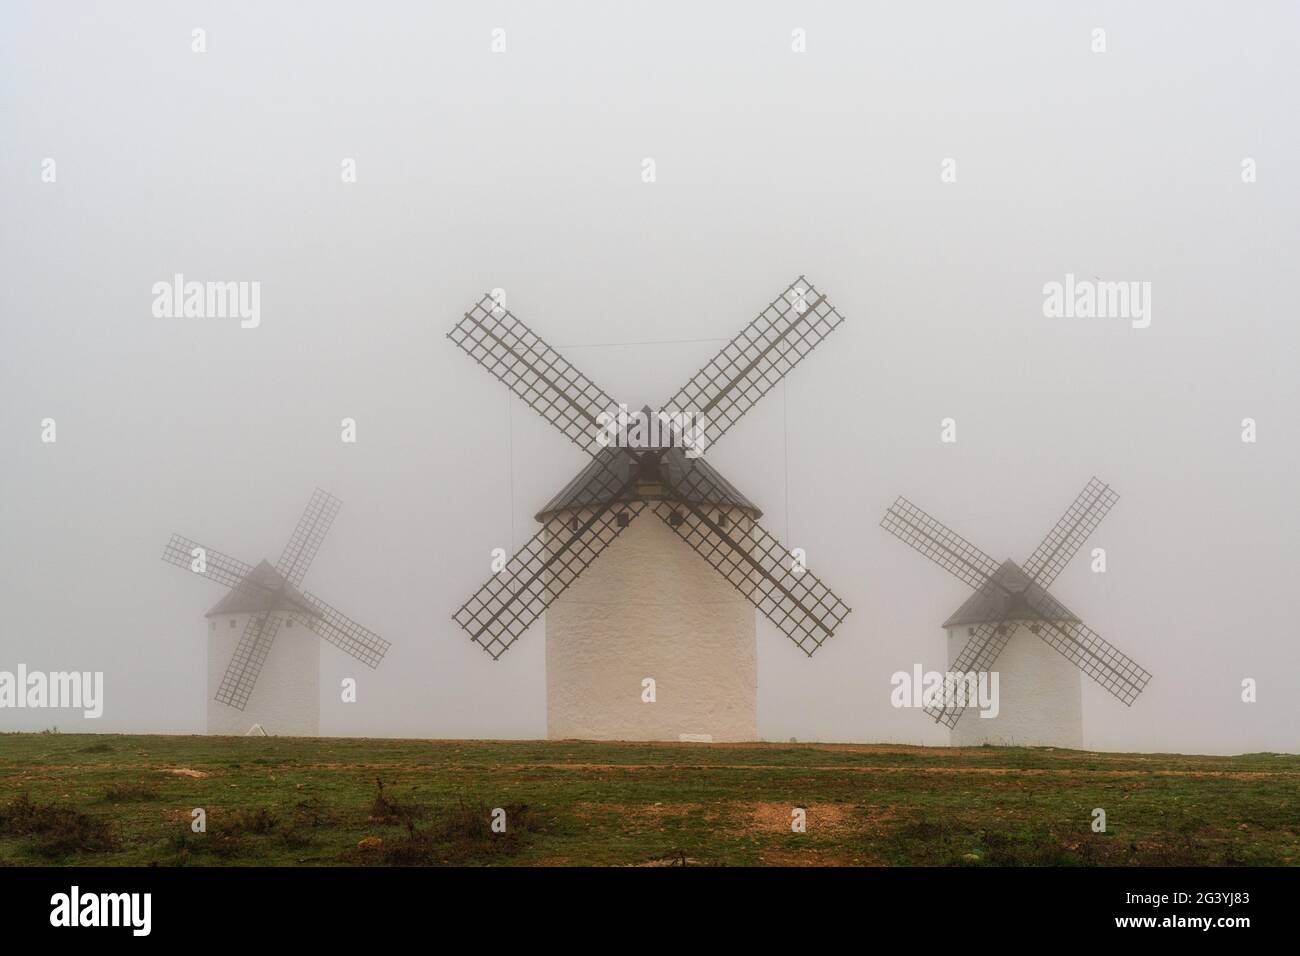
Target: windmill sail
[[939, 543], [1069, 534], [307, 536], [246, 664], [343, 632], [221, 568], [754, 562], [752, 363], [538, 573], [546, 381]]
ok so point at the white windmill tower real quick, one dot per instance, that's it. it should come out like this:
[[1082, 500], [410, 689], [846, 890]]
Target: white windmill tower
[[651, 644], [263, 648], [1040, 690]]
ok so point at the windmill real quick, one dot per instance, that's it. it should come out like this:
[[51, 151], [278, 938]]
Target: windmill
[[651, 644], [1041, 692], [264, 602]]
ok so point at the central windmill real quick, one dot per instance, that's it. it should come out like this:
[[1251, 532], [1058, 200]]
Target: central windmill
[[264, 603], [658, 641], [1040, 687]]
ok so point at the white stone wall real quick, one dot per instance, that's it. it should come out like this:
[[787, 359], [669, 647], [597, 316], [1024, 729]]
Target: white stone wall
[[651, 607], [286, 698], [1041, 697]]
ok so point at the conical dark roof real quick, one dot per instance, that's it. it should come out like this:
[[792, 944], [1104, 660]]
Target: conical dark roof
[[264, 589], [594, 486], [1009, 595]]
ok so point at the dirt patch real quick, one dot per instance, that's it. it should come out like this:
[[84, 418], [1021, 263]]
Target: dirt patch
[[819, 817], [185, 772], [767, 817]]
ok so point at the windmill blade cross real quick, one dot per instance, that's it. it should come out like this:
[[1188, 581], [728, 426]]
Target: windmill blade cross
[[1069, 534], [752, 363], [745, 370]]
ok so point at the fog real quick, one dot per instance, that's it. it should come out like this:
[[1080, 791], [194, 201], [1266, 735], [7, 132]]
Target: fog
[[524, 170]]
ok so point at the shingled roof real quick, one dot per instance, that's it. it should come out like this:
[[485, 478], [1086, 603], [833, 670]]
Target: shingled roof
[[263, 589], [1009, 595], [591, 486]]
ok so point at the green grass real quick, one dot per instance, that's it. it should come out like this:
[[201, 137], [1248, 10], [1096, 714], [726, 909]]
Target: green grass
[[105, 799]]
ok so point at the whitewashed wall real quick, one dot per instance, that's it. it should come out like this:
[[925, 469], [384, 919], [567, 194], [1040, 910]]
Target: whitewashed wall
[[651, 607], [1041, 697], [286, 698]]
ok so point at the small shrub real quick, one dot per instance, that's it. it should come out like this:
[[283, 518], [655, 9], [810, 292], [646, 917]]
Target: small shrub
[[129, 793], [259, 821], [385, 809], [462, 834], [54, 831]]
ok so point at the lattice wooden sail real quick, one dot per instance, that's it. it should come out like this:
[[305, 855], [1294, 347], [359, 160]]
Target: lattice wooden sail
[[939, 543], [1069, 534], [510, 601], [221, 568], [754, 562], [250, 654], [752, 363], [306, 539], [546, 381]]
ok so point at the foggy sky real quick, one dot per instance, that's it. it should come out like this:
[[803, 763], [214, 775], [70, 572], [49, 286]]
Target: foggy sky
[[522, 170]]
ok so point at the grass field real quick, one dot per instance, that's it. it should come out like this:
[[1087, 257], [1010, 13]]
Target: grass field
[[105, 799]]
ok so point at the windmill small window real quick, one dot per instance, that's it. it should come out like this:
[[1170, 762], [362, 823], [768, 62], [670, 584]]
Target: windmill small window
[[675, 519], [624, 519], [574, 524], [232, 623], [722, 519]]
